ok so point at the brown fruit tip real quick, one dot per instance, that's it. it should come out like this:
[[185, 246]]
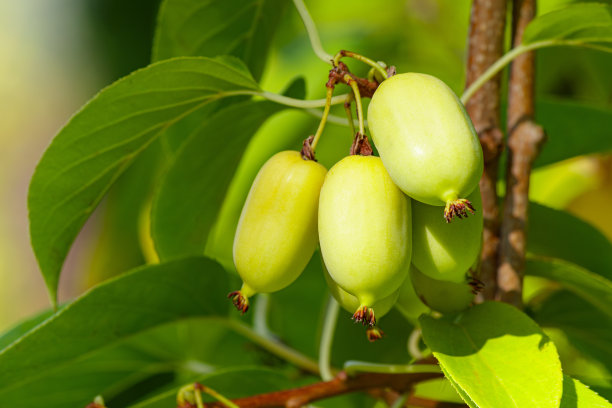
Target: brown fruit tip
[[476, 284], [365, 315], [458, 208], [374, 333], [240, 301]]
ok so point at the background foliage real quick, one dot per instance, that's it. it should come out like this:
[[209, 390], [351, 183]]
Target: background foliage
[[175, 146]]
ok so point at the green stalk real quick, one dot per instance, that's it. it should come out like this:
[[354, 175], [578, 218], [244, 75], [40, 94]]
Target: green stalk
[[327, 339], [313, 34]]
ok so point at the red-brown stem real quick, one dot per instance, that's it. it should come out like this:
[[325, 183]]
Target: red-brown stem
[[524, 141], [341, 384], [485, 46]]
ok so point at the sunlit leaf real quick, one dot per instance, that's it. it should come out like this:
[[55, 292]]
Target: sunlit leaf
[[102, 140], [578, 395], [497, 356]]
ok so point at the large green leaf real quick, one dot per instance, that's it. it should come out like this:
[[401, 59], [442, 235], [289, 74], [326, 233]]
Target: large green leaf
[[586, 327], [243, 28], [584, 22], [22, 328], [102, 140], [573, 129], [578, 395], [590, 286], [192, 191], [557, 234], [142, 365], [497, 356], [139, 300]]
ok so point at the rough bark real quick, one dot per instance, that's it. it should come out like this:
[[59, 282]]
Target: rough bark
[[524, 141], [485, 46]]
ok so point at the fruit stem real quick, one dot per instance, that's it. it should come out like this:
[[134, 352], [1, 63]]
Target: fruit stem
[[349, 114], [328, 102], [327, 339], [353, 84], [458, 208], [359, 57], [313, 34]]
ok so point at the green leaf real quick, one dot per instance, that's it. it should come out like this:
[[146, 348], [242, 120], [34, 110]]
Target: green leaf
[[588, 285], [578, 395], [177, 352], [583, 22], [119, 308], [497, 355], [231, 383], [192, 192], [586, 327], [22, 328], [557, 234], [243, 28], [102, 140], [573, 129]]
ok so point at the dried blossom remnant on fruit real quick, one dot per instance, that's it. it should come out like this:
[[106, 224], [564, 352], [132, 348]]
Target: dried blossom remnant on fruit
[[476, 284], [239, 300], [361, 146], [307, 152], [458, 208], [374, 333], [365, 315]]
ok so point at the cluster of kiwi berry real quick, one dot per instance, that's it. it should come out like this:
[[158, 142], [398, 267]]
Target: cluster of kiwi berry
[[383, 235]]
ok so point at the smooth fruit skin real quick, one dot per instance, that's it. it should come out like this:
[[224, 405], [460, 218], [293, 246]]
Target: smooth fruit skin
[[425, 138], [350, 303], [277, 230], [408, 302], [445, 251], [442, 296], [364, 229]]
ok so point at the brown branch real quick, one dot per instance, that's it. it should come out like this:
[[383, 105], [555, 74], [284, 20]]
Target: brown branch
[[341, 384], [524, 141], [485, 46]]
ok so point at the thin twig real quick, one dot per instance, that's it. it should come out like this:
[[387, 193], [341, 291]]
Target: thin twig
[[341, 384], [524, 141], [313, 34], [485, 47]]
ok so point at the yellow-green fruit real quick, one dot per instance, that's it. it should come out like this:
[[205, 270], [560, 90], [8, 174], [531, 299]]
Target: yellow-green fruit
[[277, 230], [441, 250], [364, 231], [408, 302], [350, 303], [425, 139], [442, 296]]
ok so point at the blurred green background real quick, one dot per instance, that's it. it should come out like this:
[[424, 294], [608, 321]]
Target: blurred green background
[[57, 54]]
